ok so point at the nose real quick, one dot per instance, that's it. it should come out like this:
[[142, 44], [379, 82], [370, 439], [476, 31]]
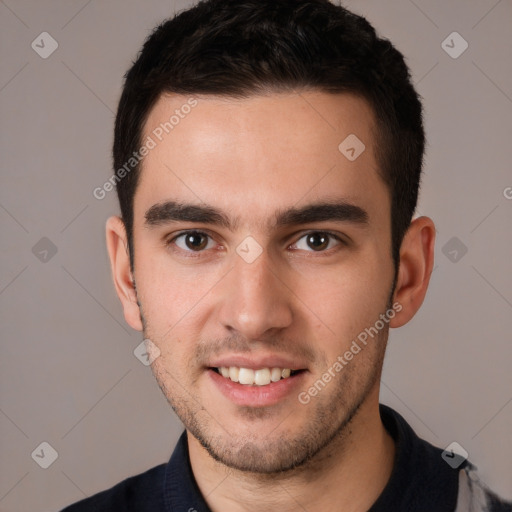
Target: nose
[[254, 300]]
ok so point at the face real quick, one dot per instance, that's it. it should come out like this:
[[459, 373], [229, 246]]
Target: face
[[261, 253]]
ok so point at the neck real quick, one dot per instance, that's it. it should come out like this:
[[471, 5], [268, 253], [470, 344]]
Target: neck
[[350, 472]]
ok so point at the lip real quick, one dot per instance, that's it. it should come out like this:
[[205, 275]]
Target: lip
[[256, 363], [256, 396]]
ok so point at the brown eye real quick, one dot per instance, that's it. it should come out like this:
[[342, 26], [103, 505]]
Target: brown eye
[[317, 241], [196, 241], [192, 241]]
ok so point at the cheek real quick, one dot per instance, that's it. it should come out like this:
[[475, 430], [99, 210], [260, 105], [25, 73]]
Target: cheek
[[346, 299], [168, 293], [175, 305]]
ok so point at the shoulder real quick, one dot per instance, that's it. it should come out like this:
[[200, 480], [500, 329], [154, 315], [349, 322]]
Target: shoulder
[[139, 493], [474, 496], [426, 477]]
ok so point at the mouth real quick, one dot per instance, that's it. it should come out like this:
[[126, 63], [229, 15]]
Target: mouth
[[261, 380], [257, 377]]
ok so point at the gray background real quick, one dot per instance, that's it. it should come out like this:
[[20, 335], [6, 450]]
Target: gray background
[[68, 373]]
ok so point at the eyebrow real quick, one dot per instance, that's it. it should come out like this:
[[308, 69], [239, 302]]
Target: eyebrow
[[338, 211]]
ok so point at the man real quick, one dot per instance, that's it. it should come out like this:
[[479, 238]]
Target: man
[[268, 157]]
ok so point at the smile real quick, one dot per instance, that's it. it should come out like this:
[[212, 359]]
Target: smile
[[259, 377]]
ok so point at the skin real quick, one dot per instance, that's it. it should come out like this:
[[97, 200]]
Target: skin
[[251, 159]]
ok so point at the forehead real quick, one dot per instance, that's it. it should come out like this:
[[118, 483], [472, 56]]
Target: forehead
[[256, 155]]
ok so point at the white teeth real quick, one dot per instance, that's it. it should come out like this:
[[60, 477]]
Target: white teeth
[[246, 376], [249, 377], [275, 374], [262, 377], [233, 373]]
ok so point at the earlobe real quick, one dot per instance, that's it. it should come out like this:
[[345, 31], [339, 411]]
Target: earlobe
[[117, 245], [416, 264]]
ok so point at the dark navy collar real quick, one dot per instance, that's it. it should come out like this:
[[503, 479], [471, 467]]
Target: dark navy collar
[[181, 493], [420, 481]]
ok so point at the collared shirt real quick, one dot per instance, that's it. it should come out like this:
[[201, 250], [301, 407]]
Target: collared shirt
[[421, 481]]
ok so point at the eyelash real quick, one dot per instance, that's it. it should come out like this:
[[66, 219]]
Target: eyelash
[[195, 254]]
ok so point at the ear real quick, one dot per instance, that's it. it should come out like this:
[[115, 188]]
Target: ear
[[117, 246], [416, 263]]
